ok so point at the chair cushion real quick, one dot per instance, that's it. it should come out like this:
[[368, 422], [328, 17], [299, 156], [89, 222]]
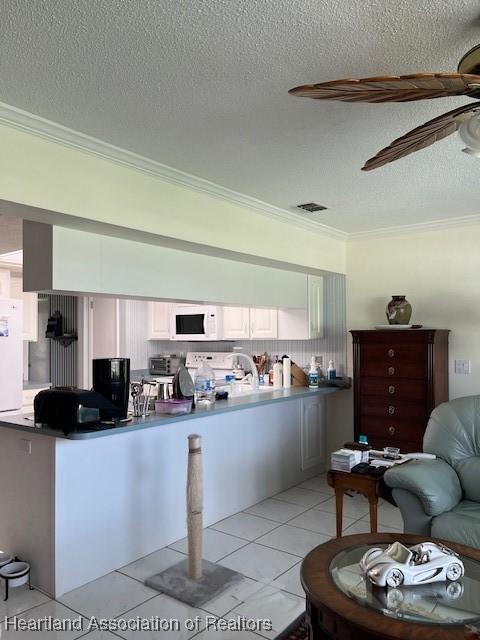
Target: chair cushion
[[453, 434], [468, 470], [461, 524]]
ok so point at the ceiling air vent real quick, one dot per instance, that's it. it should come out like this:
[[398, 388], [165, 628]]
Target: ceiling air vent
[[311, 207]]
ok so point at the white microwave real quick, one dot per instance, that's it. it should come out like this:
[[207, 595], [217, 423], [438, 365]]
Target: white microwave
[[196, 322]]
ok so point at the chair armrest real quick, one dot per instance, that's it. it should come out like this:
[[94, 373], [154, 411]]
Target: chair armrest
[[434, 482]]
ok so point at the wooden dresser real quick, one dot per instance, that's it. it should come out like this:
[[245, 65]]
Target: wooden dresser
[[399, 377]]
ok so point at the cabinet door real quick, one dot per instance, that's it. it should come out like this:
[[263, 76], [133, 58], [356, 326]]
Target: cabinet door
[[312, 433], [315, 306], [293, 324], [159, 320], [236, 323], [263, 323]]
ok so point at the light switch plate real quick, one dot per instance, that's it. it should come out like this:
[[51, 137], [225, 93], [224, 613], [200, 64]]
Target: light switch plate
[[463, 367]]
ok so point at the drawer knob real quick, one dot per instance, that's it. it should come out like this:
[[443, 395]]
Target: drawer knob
[[391, 410], [391, 353], [391, 371], [391, 389], [391, 430]]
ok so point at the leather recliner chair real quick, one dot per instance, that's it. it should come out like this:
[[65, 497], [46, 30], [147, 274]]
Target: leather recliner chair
[[441, 497]]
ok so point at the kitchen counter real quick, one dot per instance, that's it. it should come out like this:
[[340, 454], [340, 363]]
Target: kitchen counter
[[24, 422], [119, 498]]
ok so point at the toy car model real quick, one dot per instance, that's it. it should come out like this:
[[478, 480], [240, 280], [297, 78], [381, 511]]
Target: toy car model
[[423, 563]]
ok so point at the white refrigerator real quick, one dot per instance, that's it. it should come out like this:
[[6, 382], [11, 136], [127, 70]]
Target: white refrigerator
[[11, 354]]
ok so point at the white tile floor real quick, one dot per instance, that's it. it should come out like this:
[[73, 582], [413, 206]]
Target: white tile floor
[[265, 543]]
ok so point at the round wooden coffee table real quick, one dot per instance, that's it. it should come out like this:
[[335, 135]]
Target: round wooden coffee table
[[342, 605]]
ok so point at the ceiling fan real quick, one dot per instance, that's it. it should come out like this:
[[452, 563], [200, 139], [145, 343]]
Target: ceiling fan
[[419, 86]]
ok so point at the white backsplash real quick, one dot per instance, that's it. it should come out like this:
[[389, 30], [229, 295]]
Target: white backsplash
[[332, 346]]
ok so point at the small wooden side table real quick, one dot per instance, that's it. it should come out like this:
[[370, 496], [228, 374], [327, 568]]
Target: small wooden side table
[[372, 487]]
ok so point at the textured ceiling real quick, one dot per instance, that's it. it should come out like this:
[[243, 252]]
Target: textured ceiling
[[201, 85]]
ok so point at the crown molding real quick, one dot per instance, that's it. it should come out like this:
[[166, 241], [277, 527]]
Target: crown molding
[[418, 227], [53, 132], [59, 134]]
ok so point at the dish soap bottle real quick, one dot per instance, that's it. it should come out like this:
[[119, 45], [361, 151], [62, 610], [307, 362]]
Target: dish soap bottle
[[313, 374], [204, 386], [331, 371]]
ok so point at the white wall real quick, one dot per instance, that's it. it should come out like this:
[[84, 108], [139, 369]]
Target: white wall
[[439, 272]]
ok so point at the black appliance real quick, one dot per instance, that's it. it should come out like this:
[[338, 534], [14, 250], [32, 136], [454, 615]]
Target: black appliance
[[54, 325], [111, 378], [69, 409]]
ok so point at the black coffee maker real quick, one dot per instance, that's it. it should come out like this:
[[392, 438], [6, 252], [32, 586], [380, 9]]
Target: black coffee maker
[[111, 378]]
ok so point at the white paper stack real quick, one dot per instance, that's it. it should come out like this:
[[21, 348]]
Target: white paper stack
[[345, 459]]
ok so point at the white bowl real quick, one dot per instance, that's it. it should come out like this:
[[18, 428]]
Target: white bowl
[[5, 558], [16, 572]]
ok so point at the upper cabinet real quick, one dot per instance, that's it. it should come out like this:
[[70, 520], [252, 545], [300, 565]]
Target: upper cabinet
[[301, 324], [242, 323], [236, 323], [159, 320], [315, 306], [255, 323], [263, 324]]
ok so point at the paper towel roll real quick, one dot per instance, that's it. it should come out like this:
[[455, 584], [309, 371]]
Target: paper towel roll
[[287, 373]]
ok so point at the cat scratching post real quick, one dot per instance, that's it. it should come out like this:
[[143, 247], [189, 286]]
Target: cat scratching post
[[194, 580], [195, 507]]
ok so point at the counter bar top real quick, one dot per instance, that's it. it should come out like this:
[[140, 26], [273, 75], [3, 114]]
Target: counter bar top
[[24, 422]]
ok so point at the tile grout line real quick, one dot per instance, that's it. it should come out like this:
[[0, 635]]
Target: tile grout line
[[254, 540]]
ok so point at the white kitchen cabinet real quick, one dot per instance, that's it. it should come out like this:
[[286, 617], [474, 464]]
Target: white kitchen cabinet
[[159, 320], [312, 432], [236, 323], [304, 324], [315, 306], [293, 324], [263, 324]]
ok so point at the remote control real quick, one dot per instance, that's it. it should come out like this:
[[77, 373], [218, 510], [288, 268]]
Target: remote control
[[361, 467]]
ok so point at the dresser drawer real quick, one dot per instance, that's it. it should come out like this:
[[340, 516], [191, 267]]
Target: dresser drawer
[[393, 361], [394, 370], [401, 388], [386, 408], [393, 352], [392, 430]]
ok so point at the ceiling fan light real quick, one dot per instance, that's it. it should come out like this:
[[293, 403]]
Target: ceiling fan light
[[469, 132]]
